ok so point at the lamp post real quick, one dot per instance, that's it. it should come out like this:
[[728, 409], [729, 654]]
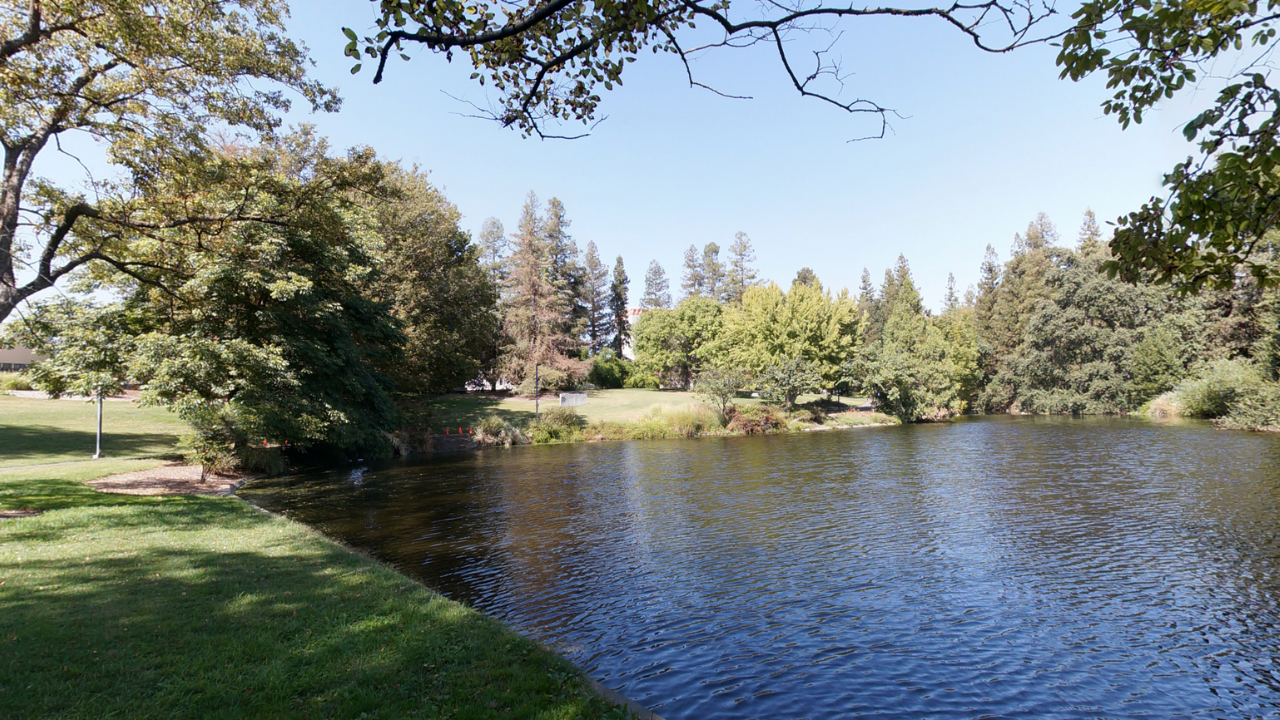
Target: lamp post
[[97, 451], [536, 391]]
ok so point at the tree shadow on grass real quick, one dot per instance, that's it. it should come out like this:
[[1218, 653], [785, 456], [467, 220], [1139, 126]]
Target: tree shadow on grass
[[466, 411], [37, 443], [218, 611]]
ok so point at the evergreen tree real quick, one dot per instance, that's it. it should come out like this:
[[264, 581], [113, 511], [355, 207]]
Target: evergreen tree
[[1022, 286], [1090, 234], [535, 306], [618, 307], [692, 282], [713, 274], [741, 274], [866, 291], [951, 301], [988, 286], [493, 249], [657, 292], [567, 273], [805, 276], [596, 298], [1040, 234]]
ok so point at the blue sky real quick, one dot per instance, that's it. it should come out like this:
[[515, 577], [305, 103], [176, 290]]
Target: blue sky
[[986, 142]]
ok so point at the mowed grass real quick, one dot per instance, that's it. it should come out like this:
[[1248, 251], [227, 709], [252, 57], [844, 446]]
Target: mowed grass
[[34, 431], [625, 405], [193, 607]]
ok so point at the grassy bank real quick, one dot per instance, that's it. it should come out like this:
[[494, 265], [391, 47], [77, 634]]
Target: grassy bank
[[34, 431], [606, 409], [120, 606]]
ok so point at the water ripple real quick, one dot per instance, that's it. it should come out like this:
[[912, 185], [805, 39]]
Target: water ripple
[[996, 567]]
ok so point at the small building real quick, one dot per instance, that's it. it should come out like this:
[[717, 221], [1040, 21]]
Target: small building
[[15, 359], [632, 314]]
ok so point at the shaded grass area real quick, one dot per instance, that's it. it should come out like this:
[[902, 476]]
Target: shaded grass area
[[45, 431], [119, 606], [614, 406]]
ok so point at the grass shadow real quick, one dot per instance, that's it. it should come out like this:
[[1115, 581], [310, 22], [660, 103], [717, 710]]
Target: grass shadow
[[206, 608]]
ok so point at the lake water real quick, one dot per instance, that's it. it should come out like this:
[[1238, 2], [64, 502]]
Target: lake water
[[991, 567]]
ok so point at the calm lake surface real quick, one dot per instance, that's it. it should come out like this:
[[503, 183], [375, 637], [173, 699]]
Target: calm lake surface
[[992, 567]]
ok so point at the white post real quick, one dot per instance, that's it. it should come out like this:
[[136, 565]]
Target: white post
[[535, 391], [98, 450]]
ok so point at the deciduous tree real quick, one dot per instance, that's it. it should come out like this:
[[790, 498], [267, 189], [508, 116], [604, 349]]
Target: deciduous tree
[[150, 79]]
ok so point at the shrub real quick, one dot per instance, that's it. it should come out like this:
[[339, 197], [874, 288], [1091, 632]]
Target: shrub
[[14, 381], [494, 430], [1256, 408], [608, 370], [1166, 405], [781, 384], [265, 460], [557, 424], [719, 387], [410, 440], [1217, 387], [648, 382], [751, 419]]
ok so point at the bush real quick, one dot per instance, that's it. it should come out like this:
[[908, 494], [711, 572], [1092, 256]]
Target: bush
[[751, 419], [1166, 405], [410, 440], [558, 424], [1215, 390], [1256, 408], [265, 460], [719, 387], [494, 430], [781, 384], [609, 370], [14, 381], [647, 382]]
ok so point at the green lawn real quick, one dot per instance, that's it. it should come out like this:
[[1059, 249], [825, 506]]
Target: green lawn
[[196, 607], [626, 405], [36, 431]]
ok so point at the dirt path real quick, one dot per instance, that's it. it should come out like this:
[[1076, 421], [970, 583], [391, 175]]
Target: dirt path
[[170, 479]]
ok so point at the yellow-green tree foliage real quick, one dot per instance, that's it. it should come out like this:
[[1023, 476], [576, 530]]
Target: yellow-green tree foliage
[[674, 345], [806, 322]]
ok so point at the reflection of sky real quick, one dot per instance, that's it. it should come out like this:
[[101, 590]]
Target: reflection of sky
[[1070, 568]]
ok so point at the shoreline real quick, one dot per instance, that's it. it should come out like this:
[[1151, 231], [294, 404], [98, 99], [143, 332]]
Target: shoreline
[[108, 591]]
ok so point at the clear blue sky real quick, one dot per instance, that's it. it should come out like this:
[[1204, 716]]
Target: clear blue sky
[[987, 141]]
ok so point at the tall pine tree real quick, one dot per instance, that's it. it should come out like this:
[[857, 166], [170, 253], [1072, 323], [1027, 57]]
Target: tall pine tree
[[741, 275], [493, 250], [713, 273], [951, 301], [692, 281], [1090, 233], [618, 306], [657, 291], [988, 287], [596, 299], [565, 270], [535, 306]]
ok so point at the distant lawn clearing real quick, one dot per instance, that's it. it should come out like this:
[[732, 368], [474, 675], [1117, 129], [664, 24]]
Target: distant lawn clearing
[[193, 607], [36, 431], [626, 405]]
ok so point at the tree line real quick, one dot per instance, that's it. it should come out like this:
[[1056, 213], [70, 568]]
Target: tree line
[[1046, 331]]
